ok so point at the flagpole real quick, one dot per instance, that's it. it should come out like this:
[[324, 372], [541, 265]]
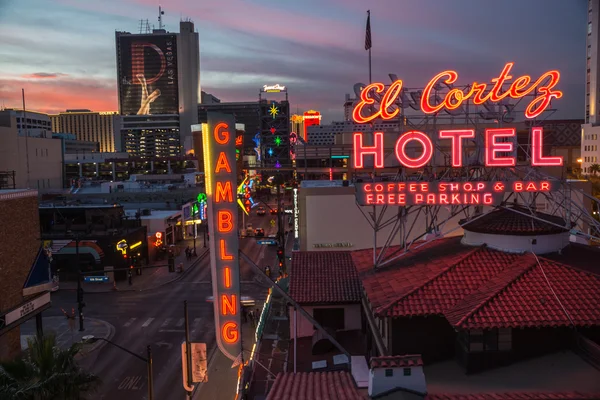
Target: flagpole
[[369, 17]]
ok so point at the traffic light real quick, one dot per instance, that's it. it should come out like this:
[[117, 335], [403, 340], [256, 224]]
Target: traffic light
[[280, 253]]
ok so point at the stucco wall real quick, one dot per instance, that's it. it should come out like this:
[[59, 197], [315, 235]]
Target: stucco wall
[[352, 319]]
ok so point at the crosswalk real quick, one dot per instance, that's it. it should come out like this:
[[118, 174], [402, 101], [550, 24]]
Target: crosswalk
[[172, 325]]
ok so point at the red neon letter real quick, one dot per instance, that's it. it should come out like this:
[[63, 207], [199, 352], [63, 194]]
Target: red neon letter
[[546, 94], [221, 133], [224, 221], [222, 163], [492, 147], [457, 136], [223, 192], [229, 332], [537, 145], [365, 100], [224, 255], [425, 106], [388, 100], [228, 305], [401, 151], [227, 277], [360, 150]]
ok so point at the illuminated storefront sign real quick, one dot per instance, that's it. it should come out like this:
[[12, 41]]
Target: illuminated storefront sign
[[296, 213], [273, 88], [494, 144], [138, 244], [158, 239], [543, 88], [221, 176], [444, 193], [332, 245], [122, 246]]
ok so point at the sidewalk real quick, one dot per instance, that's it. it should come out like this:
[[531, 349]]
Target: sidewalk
[[151, 278], [68, 334], [222, 379]]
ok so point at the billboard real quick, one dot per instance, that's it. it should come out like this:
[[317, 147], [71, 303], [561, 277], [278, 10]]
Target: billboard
[[147, 73], [218, 137]]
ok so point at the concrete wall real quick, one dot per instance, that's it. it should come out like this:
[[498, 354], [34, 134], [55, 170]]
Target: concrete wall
[[379, 383], [352, 319], [44, 157], [19, 244], [345, 225]]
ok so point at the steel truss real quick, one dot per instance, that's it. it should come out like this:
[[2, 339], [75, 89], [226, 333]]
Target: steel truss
[[577, 214]]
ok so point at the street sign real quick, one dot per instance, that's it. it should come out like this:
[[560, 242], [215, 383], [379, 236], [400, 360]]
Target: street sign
[[25, 309], [95, 279], [272, 222], [269, 242], [199, 364]]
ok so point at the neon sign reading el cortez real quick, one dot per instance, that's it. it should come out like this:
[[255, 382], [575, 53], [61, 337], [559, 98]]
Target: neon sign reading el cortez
[[218, 136]]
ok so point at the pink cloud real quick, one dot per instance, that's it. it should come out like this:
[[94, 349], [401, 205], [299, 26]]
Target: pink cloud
[[55, 95], [44, 75]]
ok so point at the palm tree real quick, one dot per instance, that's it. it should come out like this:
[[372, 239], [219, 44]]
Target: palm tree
[[45, 372], [594, 169]]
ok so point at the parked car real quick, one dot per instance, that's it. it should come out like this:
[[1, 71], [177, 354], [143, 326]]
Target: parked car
[[259, 232], [261, 211]]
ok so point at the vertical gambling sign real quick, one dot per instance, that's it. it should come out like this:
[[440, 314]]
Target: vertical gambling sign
[[218, 137]]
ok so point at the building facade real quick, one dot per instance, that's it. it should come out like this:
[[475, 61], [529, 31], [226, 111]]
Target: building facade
[[89, 126], [19, 245], [590, 132], [247, 113], [37, 161], [159, 88]]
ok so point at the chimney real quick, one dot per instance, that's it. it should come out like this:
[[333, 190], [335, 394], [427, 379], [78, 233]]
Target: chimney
[[390, 373]]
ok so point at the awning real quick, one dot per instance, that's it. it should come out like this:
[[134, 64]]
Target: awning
[[39, 278]]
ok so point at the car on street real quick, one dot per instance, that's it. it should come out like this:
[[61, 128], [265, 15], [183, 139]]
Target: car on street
[[259, 232], [261, 211], [273, 210]]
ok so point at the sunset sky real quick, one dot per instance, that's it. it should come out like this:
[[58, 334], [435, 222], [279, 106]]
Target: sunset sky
[[62, 52]]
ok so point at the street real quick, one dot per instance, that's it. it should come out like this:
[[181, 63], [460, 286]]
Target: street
[[155, 317]]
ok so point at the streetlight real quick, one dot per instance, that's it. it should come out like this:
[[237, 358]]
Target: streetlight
[[148, 361]]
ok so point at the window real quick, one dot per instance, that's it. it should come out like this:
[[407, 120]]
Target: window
[[389, 372], [407, 371], [589, 28], [330, 317], [589, 51], [490, 340]]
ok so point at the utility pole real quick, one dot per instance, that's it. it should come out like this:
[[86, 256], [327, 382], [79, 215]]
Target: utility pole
[[280, 228], [188, 348], [150, 380], [80, 303]]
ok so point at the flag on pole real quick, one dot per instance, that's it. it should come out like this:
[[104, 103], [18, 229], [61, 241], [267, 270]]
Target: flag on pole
[[368, 36]]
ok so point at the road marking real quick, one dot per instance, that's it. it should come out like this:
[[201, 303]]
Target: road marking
[[148, 322], [131, 383], [167, 322], [128, 323], [180, 322], [172, 330]]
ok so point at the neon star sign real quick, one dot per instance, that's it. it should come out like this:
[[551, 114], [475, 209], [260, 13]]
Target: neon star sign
[[278, 141], [476, 93], [273, 111]]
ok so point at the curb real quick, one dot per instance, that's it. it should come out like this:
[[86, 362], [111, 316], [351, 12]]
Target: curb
[[177, 278]]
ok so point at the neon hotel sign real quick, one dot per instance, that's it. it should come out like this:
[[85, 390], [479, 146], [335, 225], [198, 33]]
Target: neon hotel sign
[[497, 140], [218, 136]]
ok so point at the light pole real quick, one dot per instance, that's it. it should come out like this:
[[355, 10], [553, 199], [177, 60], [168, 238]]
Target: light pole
[[79, 288], [148, 361]]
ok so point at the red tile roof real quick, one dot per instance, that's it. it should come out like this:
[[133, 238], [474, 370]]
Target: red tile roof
[[478, 288], [407, 272], [516, 396], [522, 297], [324, 277], [314, 385], [509, 222], [450, 285], [409, 360]]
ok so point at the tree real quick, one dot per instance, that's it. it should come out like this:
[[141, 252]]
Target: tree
[[594, 169], [45, 372]]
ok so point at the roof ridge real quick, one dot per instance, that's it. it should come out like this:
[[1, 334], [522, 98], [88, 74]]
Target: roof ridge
[[521, 272], [436, 276]]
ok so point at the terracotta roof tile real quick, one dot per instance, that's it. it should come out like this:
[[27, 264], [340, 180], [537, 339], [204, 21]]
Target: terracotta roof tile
[[508, 222], [409, 360], [324, 277], [524, 299], [516, 396], [451, 284], [314, 385]]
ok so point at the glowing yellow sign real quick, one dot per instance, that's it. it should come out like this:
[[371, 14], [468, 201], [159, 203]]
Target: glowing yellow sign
[[122, 246], [138, 244]]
